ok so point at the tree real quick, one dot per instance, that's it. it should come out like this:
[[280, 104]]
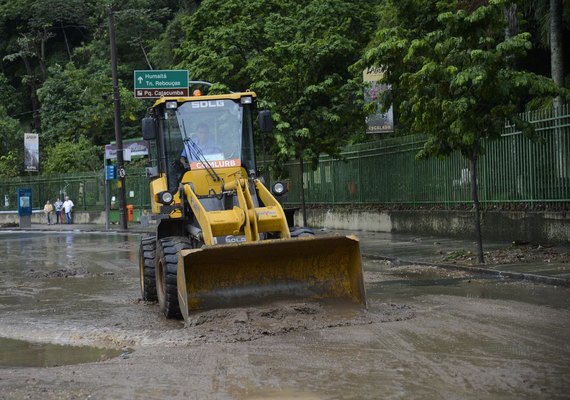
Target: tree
[[79, 156], [84, 96], [455, 78], [26, 52], [548, 21], [9, 96], [58, 52], [35, 31], [11, 145], [296, 55]]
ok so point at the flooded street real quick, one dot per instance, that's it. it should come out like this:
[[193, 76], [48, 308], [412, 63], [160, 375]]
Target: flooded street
[[72, 326]]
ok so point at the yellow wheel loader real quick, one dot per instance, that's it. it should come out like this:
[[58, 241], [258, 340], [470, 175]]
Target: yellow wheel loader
[[222, 238]]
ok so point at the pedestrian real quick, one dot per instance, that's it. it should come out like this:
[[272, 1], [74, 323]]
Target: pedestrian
[[67, 207], [48, 209], [58, 205]]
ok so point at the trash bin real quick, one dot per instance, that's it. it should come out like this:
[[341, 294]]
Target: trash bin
[[131, 212]]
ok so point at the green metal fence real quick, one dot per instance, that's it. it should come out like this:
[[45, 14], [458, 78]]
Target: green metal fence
[[87, 190], [515, 171]]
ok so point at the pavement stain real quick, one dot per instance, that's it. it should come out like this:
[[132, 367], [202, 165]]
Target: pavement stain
[[510, 255]]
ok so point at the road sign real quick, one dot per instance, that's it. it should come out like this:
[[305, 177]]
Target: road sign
[[151, 84], [111, 172]]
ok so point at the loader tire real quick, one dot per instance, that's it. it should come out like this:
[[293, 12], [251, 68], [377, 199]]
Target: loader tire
[[166, 269], [147, 254]]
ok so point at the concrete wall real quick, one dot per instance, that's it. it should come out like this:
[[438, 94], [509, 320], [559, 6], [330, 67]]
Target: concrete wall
[[497, 225], [38, 217], [536, 227]]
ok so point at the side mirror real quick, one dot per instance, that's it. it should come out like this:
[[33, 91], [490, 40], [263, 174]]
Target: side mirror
[[265, 121], [148, 128]]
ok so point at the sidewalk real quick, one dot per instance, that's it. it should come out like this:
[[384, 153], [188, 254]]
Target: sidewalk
[[439, 251], [405, 249]]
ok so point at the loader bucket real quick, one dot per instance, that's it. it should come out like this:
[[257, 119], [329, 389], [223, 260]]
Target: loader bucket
[[249, 273]]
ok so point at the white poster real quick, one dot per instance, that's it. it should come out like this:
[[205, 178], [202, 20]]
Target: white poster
[[32, 152], [130, 149], [379, 122]]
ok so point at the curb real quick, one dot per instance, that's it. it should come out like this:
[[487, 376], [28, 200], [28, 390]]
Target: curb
[[77, 230]]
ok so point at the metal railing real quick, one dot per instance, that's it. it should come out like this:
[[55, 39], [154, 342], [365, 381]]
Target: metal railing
[[87, 190], [515, 172]]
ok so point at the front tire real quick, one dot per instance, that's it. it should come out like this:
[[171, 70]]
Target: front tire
[[166, 269], [147, 254]]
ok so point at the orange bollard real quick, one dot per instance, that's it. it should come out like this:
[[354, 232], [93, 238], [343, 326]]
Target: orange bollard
[[130, 212]]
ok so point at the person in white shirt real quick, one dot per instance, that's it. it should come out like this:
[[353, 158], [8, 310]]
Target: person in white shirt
[[67, 207]]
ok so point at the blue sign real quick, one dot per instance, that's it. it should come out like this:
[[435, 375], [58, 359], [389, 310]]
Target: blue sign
[[24, 202], [110, 172]]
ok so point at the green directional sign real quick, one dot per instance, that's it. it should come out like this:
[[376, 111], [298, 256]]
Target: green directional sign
[[150, 84]]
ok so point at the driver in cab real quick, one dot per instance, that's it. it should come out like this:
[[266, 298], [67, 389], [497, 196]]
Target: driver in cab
[[203, 146]]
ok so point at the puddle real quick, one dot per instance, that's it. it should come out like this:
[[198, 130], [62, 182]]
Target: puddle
[[19, 353], [479, 288]]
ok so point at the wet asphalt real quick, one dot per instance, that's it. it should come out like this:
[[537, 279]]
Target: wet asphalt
[[400, 249]]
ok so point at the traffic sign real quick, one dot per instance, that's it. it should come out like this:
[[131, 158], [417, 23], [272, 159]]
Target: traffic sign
[[110, 172], [150, 84]]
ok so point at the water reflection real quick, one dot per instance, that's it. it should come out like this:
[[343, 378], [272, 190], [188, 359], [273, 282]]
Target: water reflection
[[18, 353], [479, 288]]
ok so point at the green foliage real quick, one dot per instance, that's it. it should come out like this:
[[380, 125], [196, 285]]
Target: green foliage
[[85, 97], [10, 131], [296, 55], [455, 80], [10, 164], [137, 28], [9, 97], [80, 156], [11, 145], [451, 71]]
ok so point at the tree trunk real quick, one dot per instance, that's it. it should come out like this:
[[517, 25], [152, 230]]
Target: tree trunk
[[475, 197], [146, 57], [557, 73], [512, 27], [66, 41], [43, 39], [556, 47]]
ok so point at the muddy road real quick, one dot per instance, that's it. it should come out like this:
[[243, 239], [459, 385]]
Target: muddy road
[[72, 326]]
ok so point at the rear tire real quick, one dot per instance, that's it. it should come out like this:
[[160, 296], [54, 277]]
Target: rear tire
[[166, 269], [147, 254]]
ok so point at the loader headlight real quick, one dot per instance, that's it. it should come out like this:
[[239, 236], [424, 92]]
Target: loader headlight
[[164, 197], [279, 188], [246, 100], [171, 105]]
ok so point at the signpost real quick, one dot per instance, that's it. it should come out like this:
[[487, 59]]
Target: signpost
[[150, 84]]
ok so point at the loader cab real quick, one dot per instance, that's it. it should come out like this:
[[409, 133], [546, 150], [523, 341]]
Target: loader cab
[[179, 123]]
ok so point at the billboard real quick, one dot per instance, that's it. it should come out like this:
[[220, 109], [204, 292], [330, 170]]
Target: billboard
[[131, 149], [31, 152], [379, 122]]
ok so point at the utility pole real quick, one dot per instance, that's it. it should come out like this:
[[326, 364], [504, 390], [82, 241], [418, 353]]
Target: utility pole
[[118, 135]]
